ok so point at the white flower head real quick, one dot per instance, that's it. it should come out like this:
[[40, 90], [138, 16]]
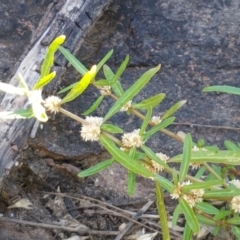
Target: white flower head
[[92, 130], [192, 197], [156, 120], [52, 104], [235, 204], [195, 165], [126, 106], [156, 166], [235, 182], [132, 139], [105, 90]]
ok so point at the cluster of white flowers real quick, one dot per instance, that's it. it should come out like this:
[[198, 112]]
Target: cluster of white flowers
[[156, 166], [92, 130], [156, 120], [132, 139], [52, 104], [126, 106], [192, 197], [235, 202], [196, 165], [106, 90]]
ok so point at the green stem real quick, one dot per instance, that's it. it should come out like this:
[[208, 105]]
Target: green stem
[[162, 212]]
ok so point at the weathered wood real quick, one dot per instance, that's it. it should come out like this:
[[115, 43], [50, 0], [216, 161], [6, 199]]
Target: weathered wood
[[72, 18]]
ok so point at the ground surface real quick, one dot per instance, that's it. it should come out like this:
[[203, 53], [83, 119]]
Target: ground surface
[[197, 44]]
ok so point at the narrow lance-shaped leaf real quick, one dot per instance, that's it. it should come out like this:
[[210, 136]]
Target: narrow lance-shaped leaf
[[205, 220], [116, 87], [207, 208], [23, 84], [178, 210], [94, 106], [123, 158], [236, 231], [166, 184], [44, 81], [158, 127], [153, 156], [97, 168], [120, 70], [221, 194], [224, 89], [162, 211], [18, 114], [189, 215], [49, 58], [173, 109], [221, 156], [187, 149], [81, 86], [150, 102], [11, 89], [74, 61], [131, 181], [111, 128], [104, 60], [204, 184], [187, 233], [231, 146], [146, 121], [131, 92]]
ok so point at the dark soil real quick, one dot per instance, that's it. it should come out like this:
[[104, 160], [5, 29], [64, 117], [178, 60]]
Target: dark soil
[[195, 51]]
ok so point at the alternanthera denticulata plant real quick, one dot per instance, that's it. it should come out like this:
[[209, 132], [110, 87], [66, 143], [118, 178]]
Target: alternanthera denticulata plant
[[211, 197]]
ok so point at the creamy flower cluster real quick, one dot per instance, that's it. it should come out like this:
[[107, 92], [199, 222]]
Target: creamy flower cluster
[[52, 104], [106, 90], [126, 106], [92, 130], [132, 139], [156, 120], [192, 197], [235, 202], [196, 165]]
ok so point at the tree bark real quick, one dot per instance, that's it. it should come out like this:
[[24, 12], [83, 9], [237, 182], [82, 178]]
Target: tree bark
[[71, 18]]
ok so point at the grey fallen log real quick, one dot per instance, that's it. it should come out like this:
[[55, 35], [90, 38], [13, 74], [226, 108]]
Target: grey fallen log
[[70, 17]]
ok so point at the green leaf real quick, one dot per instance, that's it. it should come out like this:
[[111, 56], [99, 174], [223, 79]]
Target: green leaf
[[207, 208], [224, 89], [67, 88], [123, 158], [44, 81], [97, 168], [146, 121], [173, 109], [187, 150], [49, 58], [231, 146], [178, 210], [222, 156], [166, 184], [74, 61], [158, 127], [131, 92], [22, 82], [131, 182], [116, 87], [153, 156], [150, 102], [221, 194], [187, 233], [175, 177], [222, 214], [162, 211], [18, 114], [111, 128], [104, 60], [94, 106], [202, 185], [189, 215], [236, 231], [102, 83], [80, 86], [216, 230], [234, 220], [205, 220], [200, 172], [120, 70]]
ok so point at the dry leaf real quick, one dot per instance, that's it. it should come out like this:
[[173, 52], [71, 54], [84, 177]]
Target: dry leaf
[[22, 203], [149, 236]]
